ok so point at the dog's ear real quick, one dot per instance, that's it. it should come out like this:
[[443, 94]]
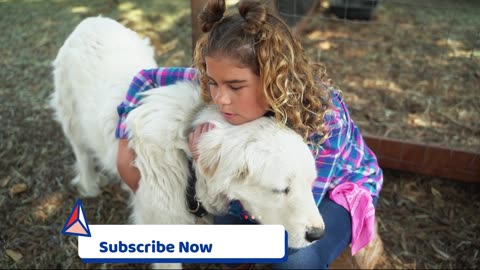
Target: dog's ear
[[249, 154], [208, 159]]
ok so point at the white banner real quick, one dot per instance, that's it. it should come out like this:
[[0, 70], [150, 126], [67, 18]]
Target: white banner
[[184, 243]]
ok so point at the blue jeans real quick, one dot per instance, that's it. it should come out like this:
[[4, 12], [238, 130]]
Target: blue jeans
[[320, 254]]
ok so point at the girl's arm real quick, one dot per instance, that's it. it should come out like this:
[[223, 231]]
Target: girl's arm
[[143, 81], [127, 171], [131, 175]]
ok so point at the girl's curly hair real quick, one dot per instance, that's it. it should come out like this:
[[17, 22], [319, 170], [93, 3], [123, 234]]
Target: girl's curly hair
[[295, 89]]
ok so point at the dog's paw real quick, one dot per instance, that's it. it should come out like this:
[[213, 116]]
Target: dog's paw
[[86, 189]]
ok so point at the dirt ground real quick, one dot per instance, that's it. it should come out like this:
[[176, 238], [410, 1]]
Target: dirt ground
[[411, 73]]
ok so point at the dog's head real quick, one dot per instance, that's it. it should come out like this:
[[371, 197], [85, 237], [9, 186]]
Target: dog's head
[[269, 169]]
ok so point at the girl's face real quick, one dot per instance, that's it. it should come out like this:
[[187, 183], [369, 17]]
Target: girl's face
[[235, 90]]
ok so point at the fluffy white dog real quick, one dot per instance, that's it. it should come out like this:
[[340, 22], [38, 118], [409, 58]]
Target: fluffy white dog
[[267, 167]]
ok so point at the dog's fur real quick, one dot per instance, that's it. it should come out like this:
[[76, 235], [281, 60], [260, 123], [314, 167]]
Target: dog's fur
[[267, 167]]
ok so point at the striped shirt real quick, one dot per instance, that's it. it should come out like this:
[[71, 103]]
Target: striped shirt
[[343, 157], [145, 80]]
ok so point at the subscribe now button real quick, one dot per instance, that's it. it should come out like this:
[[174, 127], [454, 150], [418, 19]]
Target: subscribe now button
[[184, 243]]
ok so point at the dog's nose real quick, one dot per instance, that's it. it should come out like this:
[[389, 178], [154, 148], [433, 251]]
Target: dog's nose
[[314, 233]]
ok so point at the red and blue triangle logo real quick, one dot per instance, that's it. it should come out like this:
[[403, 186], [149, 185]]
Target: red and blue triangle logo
[[77, 222]]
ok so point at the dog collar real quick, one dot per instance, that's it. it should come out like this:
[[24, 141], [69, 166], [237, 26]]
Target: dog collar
[[194, 206]]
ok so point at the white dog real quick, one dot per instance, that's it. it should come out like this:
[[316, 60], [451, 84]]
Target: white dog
[[267, 167]]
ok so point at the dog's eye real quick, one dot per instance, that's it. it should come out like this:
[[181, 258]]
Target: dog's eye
[[281, 191]]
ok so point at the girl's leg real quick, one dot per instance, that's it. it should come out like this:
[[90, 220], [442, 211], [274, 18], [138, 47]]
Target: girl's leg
[[337, 236], [321, 253]]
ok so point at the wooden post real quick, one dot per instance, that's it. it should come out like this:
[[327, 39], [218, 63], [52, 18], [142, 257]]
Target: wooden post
[[196, 8], [271, 6]]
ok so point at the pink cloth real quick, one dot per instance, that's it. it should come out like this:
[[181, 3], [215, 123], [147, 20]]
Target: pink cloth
[[358, 201]]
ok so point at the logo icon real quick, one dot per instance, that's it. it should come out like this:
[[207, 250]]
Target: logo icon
[[77, 222]]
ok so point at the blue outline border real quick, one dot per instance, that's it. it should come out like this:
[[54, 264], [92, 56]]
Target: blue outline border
[[192, 260], [186, 260], [87, 229]]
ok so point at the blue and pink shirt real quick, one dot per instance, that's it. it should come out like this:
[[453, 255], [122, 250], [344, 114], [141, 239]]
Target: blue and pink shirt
[[343, 157], [145, 80]]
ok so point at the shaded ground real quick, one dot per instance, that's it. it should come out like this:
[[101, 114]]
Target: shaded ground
[[425, 222], [412, 73]]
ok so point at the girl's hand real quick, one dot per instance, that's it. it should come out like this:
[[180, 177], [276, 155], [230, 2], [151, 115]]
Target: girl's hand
[[194, 136]]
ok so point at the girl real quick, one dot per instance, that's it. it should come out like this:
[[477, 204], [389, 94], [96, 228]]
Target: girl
[[250, 66]]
